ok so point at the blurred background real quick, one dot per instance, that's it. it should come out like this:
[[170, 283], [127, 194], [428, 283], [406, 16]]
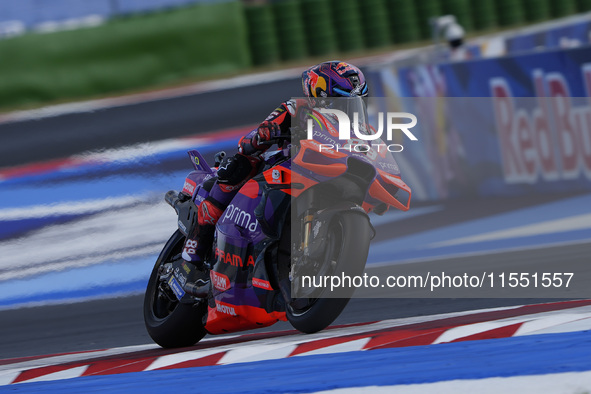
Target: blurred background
[[100, 99], [59, 50]]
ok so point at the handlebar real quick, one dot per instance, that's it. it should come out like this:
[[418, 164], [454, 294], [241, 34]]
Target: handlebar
[[172, 198], [278, 139], [296, 133], [219, 157]]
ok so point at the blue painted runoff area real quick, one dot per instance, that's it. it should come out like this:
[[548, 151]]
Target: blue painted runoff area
[[107, 279], [140, 176], [505, 357], [100, 180], [430, 244]]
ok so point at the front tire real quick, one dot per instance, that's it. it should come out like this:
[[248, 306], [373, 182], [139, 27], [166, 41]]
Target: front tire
[[348, 246], [170, 323]]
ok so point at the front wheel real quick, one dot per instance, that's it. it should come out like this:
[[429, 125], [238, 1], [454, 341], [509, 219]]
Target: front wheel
[[347, 247], [169, 322]]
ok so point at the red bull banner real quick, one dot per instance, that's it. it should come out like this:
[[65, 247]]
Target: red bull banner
[[505, 126]]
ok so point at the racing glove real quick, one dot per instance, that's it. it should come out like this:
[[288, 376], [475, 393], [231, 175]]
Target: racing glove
[[267, 131]]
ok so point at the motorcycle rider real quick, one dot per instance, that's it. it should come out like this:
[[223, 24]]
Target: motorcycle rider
[[328, 79]]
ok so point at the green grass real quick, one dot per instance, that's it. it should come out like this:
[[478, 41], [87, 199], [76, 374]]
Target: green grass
[[123, 55], [145, 52]]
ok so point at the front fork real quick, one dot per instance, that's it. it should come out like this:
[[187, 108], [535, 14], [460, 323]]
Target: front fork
[[307, 229]]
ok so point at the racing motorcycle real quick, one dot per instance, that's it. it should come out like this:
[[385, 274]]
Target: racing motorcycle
[[304, 215]]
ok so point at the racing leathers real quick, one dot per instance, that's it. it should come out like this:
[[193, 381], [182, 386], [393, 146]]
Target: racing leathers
[[233, 173]]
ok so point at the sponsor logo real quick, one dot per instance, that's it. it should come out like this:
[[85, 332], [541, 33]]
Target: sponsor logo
[[206, 217], [199, 199], [389, 166], [228, 188], [276, 175], [189, 187], [316, 228], [179, 276], [176, 288], [316, 82], [324, 136], [394, 180], [291, 107], [551, 138], [356, 90], [220, 281], [262, 284], [225, 309], [241, 218], [232, 259], [343, 67]]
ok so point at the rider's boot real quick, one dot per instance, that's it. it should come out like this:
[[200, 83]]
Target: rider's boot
[[196, 248], [194, 253]]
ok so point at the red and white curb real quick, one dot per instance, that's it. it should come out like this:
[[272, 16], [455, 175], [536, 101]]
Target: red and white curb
[[425, 330]]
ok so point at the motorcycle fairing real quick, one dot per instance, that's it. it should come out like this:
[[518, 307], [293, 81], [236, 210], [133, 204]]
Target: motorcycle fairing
[[250, 302], [249, 299], [197, 186], [244, 294], [387, 187], [225, 318], [199, 162], [318, 162], [276, 190]]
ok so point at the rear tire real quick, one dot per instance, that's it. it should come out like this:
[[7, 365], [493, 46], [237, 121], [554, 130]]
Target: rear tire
[[170, 323], [350, 249]]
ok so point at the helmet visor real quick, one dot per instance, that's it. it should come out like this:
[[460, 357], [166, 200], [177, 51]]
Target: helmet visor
[[356, 110]]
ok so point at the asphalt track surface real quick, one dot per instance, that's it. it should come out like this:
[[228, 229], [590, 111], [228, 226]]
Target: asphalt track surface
[[118, 322], [61, 136], [110, 323]]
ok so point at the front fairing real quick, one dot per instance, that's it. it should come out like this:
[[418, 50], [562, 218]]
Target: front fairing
[[326, 156]]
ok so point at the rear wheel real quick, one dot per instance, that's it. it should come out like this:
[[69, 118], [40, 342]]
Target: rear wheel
[[169, 322], [347, 247]]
